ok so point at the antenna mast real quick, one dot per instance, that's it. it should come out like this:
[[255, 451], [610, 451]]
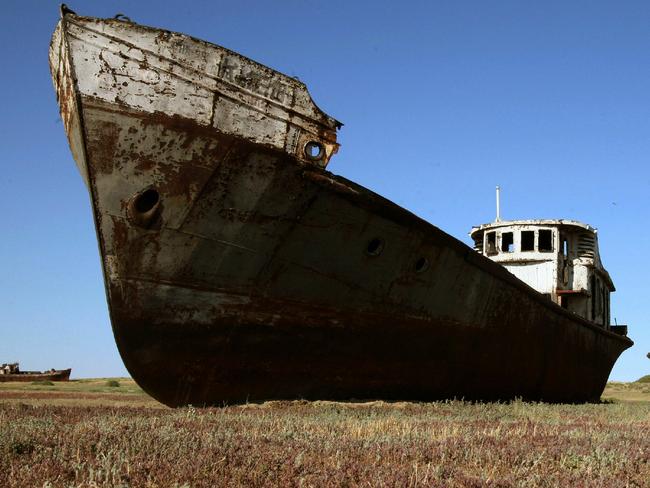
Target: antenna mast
[[498, 219]]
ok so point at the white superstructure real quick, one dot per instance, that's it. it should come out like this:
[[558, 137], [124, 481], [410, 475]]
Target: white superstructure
[[558, 258]]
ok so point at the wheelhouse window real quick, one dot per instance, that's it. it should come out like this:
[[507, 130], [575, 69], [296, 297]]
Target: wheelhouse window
[[545, 243], [491, 244], [507, 242], [527, 240], [564, 245]]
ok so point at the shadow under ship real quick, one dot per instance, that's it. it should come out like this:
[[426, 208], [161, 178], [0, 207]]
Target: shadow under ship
[[238, 269]]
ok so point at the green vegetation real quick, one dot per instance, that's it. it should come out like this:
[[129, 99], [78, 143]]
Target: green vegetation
[[94, 385], [644, 379], [85, 392], [121, 437], [638, 391]]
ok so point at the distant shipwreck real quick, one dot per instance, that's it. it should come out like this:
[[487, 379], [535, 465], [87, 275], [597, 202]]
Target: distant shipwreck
[[238, 269], [12, 372]]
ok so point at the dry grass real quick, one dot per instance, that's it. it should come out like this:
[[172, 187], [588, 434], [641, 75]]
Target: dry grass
[[627, 392], [86, 392], [300, 443]]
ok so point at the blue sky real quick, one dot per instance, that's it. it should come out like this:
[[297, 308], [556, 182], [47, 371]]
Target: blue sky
[[441, 102]]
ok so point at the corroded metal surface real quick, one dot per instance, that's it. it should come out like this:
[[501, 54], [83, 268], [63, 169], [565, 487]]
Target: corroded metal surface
[[238, 269], [566, 266], [28, 376]]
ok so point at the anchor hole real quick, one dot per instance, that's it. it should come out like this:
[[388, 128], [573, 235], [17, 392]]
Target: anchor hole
[[146, 201]]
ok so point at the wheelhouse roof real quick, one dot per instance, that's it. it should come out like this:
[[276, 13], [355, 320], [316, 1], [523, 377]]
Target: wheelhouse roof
[[533, 222]]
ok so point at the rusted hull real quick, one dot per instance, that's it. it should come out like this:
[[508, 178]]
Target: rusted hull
[[58, 375], [366, 357], [255, 275]]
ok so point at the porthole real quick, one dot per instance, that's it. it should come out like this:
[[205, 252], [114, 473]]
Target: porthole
[[375, 247], [421, 265], [314, 150]]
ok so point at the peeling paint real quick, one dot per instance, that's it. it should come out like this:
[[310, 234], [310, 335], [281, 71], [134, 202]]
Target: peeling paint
[[238, 269]]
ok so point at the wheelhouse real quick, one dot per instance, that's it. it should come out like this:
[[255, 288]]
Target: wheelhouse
[[558, 258]]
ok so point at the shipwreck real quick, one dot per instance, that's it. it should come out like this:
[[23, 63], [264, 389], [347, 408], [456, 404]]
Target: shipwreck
[[237, 268], [12, 372]]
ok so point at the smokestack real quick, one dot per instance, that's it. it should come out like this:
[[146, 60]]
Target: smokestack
[[498, 219]]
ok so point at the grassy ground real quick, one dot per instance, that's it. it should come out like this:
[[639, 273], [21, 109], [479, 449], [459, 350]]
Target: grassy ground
[[638, 391], [87, 433], [112, 392]]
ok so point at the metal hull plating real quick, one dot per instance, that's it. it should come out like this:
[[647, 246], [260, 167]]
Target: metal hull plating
[[258, 275]]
